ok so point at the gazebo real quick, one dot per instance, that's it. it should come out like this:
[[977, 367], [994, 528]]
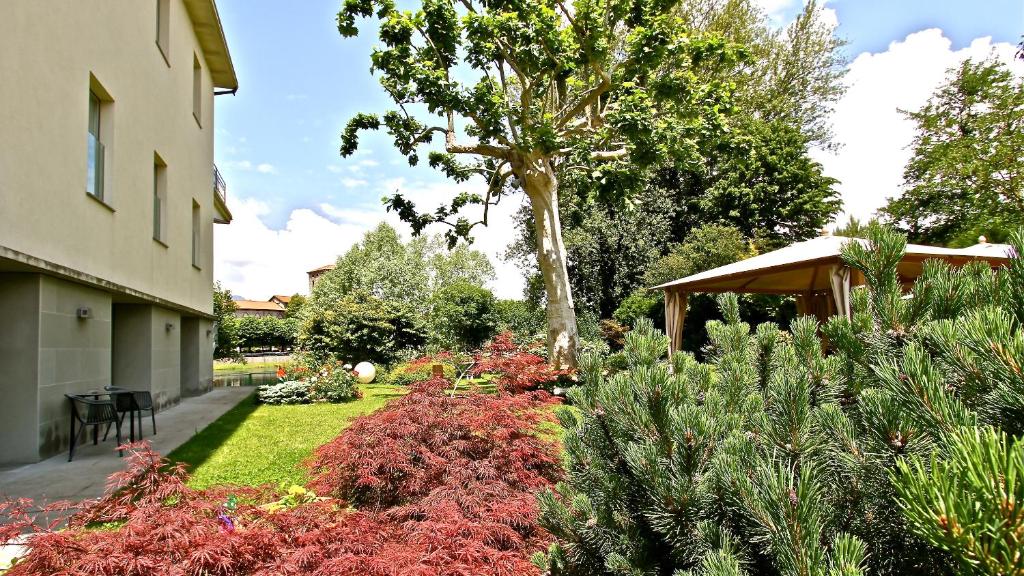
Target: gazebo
[[813, 271]]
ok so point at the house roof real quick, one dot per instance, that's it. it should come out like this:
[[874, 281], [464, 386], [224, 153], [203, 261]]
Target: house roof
[[803, 266], [257, 305], [210, 33], [322, 269], [283, 299]]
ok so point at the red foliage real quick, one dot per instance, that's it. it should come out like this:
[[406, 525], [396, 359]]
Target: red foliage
[[428, 440], [517, 370], [463, 495]]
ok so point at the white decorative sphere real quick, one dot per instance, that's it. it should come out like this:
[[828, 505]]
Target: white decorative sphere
[[365, 372]]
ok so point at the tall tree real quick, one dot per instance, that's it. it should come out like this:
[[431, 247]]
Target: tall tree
[[966, 176], [607, 88], [757, 177]]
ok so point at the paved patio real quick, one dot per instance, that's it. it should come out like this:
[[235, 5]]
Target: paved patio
[[58, 479]]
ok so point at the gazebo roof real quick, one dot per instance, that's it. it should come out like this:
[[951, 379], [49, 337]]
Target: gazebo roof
[[804, 266]]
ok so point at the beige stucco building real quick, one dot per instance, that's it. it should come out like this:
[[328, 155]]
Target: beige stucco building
[[107, 205]]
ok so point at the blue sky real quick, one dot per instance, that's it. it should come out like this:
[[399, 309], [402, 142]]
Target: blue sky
[[277, 139]]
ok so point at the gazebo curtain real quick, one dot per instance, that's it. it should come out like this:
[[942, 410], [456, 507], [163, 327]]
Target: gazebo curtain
[[675, 314], [839, 279]]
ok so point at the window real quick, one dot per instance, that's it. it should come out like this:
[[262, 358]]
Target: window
[[163, 28], [195, 234], [99, 143], [197, 90], [159, 199], [95, 161]]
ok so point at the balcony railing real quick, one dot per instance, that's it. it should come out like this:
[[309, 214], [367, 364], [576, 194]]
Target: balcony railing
[[220, 187]]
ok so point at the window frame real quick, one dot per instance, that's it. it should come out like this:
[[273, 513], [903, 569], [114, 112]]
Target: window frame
[[159, 200], [163, 29], [196, 235], [197, 90]]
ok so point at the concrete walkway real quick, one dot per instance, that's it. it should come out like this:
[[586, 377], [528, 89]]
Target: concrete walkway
[[57, 479]]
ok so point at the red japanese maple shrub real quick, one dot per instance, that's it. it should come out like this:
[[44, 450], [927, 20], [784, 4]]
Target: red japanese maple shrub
[[516, 369], [429, 440]]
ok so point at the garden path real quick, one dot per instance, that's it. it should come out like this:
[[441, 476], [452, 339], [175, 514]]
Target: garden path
[[57, 479]]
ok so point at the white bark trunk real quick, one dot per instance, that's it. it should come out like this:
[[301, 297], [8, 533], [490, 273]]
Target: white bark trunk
[[541, 187]]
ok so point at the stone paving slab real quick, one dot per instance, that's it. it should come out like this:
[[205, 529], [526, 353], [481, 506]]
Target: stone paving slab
[[57, 479]]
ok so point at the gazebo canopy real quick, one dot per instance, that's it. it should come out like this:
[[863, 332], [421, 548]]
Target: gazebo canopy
[[813, 270], [804, 267]]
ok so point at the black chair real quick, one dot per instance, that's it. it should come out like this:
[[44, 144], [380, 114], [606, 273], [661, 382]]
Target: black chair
[[92, 412], [135, 402]]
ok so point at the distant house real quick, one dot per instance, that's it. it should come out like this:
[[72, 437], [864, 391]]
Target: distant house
[[259, 308], [281, 299], [314, 275]]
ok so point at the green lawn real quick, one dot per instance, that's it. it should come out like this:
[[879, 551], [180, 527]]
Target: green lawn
[[254, 444]]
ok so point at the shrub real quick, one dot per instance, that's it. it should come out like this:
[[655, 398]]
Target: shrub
[[515, 369], [898, 453], [521, 317], [420, 369], [428, 442], [462, 316], [639, 304], [306, 380], [288, 392], [360, 327]]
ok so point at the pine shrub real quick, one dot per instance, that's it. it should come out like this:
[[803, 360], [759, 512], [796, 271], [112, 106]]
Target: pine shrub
[[896, 451]]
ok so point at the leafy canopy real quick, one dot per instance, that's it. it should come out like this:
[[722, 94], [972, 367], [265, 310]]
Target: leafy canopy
[[965, 176], [606, 87]]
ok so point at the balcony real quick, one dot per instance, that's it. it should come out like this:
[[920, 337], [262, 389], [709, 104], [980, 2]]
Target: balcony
[[220, 187], [220, 198]]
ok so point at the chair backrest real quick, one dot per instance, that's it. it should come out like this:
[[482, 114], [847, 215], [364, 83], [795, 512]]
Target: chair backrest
[[123, 400], [90, 411], [143, 399]]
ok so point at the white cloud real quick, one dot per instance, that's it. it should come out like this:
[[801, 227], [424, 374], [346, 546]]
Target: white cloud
[[874, 135], [243, 165], [266, 169], [334, 168], [776, 9], [353, 182], [257, 261], [369, 162]]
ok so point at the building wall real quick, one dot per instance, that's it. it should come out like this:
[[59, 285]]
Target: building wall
[[165, 379], [74, 354], [19, 356], [48, 53]]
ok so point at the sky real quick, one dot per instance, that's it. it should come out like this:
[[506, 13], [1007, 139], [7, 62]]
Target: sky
[[297, 204]]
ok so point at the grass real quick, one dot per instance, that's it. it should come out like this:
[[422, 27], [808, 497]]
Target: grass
[[254, 444]]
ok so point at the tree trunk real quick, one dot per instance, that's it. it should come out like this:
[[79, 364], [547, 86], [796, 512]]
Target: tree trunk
[[541, 186]]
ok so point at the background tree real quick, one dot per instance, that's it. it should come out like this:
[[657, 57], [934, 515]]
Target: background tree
[[360, 326], [382, 265], [966, 176], [854, 228], [757, 177], [463, 316], [606, 88], [227, 325], [294, 307]]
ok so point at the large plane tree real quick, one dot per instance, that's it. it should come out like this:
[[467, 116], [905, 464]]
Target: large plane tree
[[521, 90]]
